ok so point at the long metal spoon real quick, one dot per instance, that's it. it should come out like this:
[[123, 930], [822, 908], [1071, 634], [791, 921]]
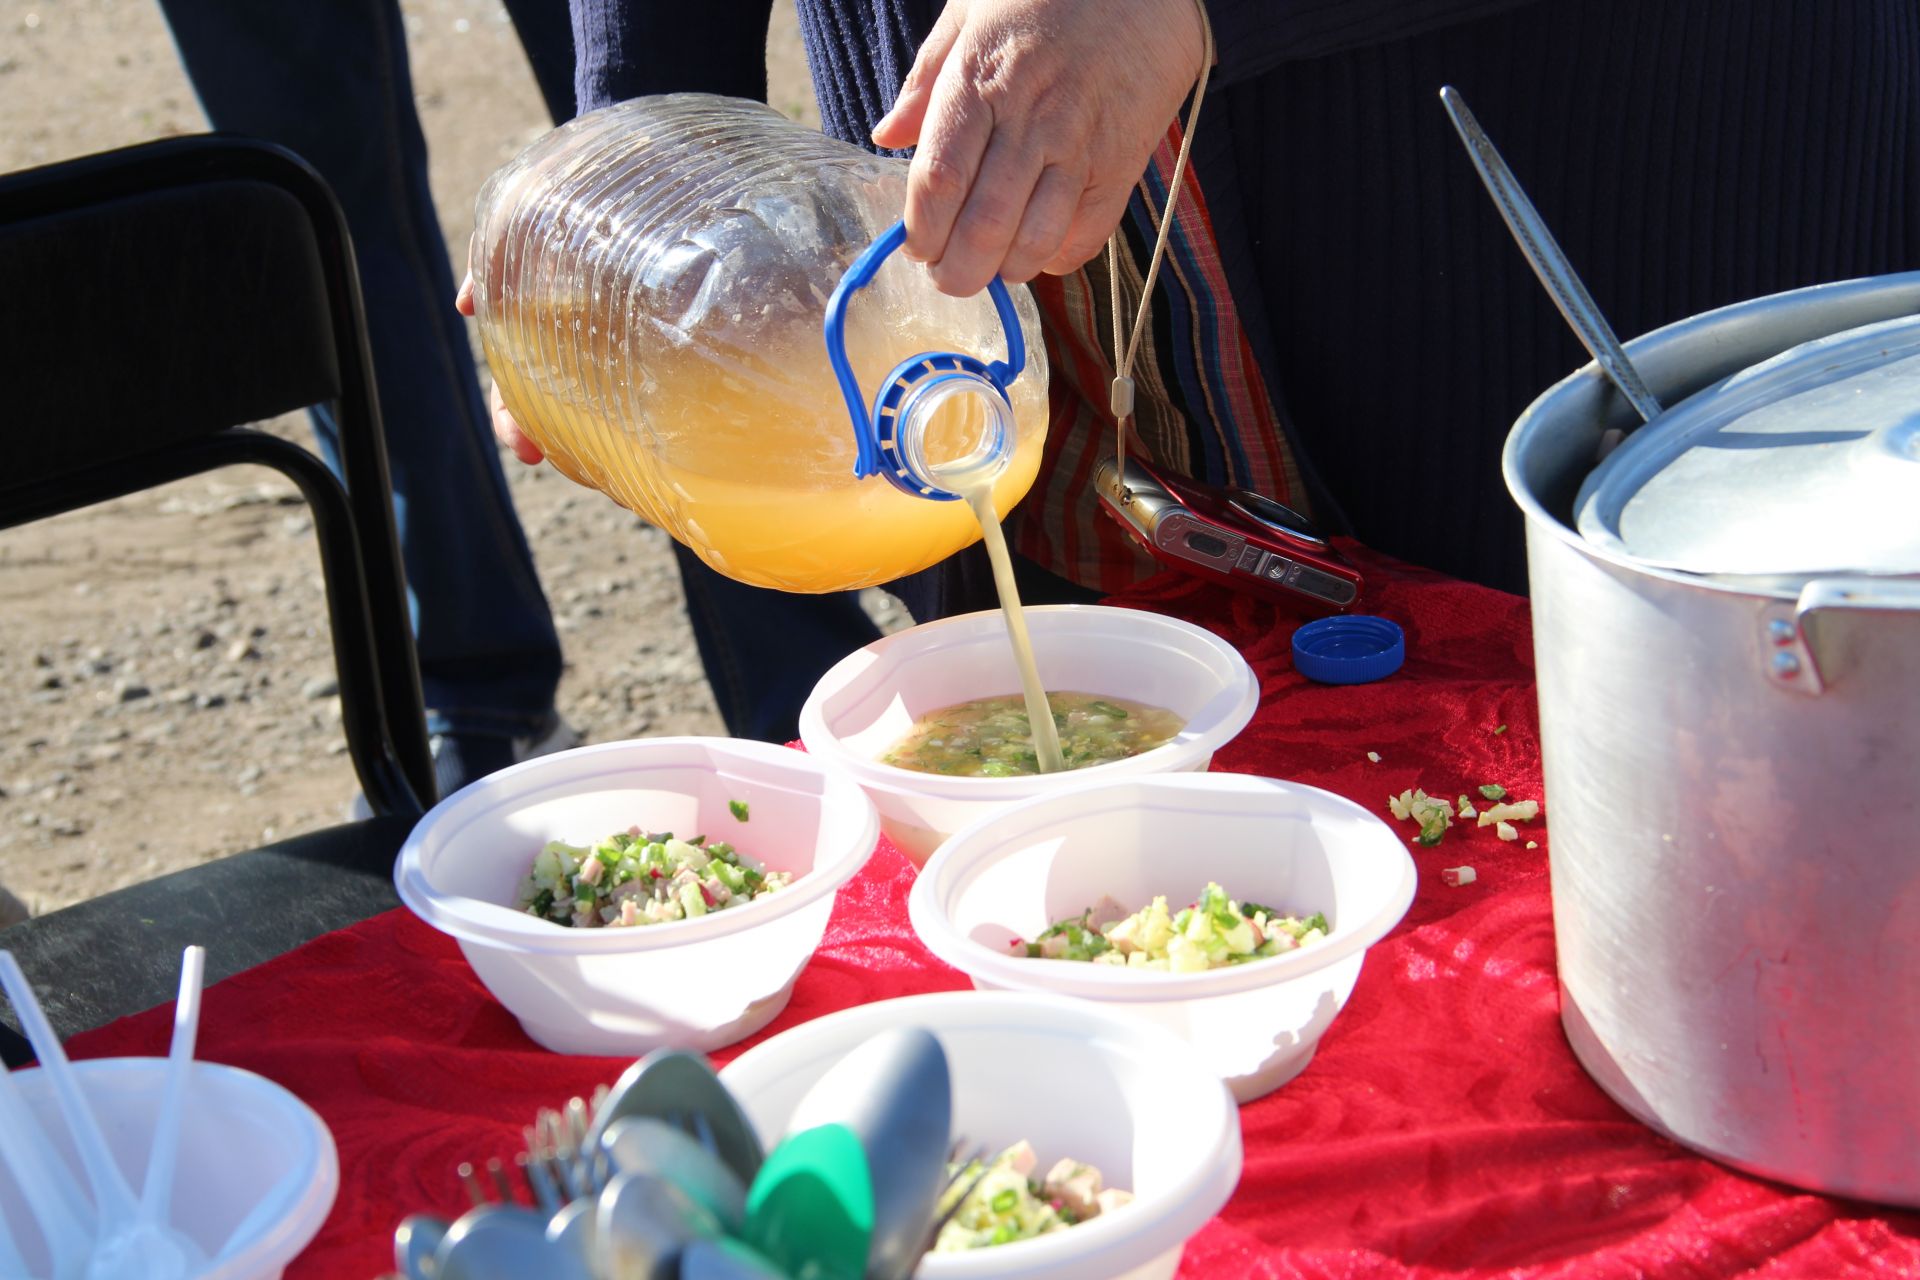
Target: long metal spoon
[[681, 1089], [640, 1144], [895, 1093], [645, 1224], [726, 1260], [1549, 263], [415, 1243], [504, 1242]]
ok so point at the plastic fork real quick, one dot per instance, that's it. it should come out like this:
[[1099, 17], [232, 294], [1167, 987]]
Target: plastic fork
[[963, 1182]]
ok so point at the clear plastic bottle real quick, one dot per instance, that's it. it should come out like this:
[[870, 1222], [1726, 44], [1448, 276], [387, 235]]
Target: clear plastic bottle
[[650, 282]]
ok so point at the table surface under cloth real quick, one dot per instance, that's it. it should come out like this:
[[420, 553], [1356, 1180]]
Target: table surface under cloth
[[1444, 1128]]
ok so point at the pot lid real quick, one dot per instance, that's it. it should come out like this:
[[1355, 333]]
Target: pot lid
[[1805, 464]]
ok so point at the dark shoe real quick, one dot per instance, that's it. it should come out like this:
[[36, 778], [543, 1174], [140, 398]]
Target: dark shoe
[[461, 758]]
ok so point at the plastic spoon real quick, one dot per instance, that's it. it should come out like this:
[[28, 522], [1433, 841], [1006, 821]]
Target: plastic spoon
[[810, 1210], [59, 1208], [895, 1094], [156, 1190], [121, 1248]]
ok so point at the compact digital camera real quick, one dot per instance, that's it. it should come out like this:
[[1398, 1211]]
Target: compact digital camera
[[1233, 536]]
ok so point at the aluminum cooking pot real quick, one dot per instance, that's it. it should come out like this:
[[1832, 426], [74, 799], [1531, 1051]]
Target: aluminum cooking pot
[[1732, 767]]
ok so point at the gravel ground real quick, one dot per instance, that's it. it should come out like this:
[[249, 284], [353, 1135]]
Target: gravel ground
[[166, 683]]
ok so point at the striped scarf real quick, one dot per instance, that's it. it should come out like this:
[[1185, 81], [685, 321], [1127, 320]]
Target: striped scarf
[[1201, 405]]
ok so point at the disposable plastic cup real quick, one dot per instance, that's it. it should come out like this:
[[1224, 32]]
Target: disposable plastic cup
[[691, 984], [1074, 1080], [1291, 847], [245, 1142], [867, 702]]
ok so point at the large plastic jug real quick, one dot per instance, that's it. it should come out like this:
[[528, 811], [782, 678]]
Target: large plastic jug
[[651, 282]]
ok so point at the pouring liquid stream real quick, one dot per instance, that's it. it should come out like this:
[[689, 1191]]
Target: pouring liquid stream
[[1046, 735]]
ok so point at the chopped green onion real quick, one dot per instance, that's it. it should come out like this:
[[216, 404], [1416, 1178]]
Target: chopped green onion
[[738, 808], [1497, 732], [1494, 791], [1004, 1202]]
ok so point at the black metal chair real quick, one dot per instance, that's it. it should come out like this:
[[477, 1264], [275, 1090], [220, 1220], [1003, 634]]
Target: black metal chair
[[152, 299]]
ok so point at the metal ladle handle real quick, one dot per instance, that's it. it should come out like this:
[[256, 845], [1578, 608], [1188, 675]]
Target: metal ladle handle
[[1547, 260]]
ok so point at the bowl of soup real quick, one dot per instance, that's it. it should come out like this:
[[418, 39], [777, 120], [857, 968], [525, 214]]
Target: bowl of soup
[[932, 724]]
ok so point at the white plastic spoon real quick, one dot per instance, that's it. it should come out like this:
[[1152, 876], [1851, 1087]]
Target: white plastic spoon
[[156, 1190], [11, 1263], [117, 1255], [59, 1207]]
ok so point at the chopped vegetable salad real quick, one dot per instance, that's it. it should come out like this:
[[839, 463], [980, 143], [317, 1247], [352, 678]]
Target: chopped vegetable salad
[[634, 879], [1007, 1204], [1212, 933]]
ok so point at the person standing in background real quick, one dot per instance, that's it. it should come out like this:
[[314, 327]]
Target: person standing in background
[[329, 80]]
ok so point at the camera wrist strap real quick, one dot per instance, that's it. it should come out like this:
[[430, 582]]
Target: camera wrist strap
[[1126, 347]]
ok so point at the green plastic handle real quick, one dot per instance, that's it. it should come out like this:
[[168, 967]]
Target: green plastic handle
[[810, 1209]]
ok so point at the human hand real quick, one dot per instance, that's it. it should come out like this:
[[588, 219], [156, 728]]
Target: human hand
[[1034, 119], [505, 429]]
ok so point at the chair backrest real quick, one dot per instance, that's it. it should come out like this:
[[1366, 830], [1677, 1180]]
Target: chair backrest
[[155, 299]]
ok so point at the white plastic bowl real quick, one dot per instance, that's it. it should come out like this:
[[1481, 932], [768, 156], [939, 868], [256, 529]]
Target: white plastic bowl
[[253, 1158], [871, 699], [1075, 1081], [1293, 847], [691, 984]]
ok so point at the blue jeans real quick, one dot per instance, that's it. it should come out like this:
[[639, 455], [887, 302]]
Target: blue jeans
[[329, 80]]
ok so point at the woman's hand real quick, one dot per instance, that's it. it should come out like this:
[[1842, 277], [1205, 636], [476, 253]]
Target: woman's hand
[[1034, 119], [505, 429]]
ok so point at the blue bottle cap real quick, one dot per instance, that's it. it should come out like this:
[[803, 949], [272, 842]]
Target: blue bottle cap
[[1349, 650]]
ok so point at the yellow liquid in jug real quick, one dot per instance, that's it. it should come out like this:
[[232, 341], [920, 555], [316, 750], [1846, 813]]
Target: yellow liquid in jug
[[760, 486]]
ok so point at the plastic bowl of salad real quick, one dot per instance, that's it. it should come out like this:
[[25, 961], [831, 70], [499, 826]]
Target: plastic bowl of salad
[[1072, 1082], [1232, 911], [930, 723], [627, 896]]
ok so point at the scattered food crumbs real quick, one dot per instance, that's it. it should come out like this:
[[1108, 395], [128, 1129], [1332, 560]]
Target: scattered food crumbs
[[1374, 756], [1533, 844], [1523, 811], [1457, 876], [1499, 730], [1506, 831], [738, 808], [1466, 807], [1433, 814]]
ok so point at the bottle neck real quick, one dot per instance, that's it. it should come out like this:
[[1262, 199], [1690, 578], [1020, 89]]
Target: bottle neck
[[955, 433]]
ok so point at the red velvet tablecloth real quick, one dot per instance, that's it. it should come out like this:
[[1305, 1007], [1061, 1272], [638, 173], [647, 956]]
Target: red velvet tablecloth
[[1443, 1129]]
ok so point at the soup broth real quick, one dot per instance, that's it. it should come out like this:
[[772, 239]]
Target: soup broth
[[993, 738]]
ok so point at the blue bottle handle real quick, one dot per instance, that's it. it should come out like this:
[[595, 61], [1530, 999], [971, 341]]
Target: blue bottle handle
[[866, 431]]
